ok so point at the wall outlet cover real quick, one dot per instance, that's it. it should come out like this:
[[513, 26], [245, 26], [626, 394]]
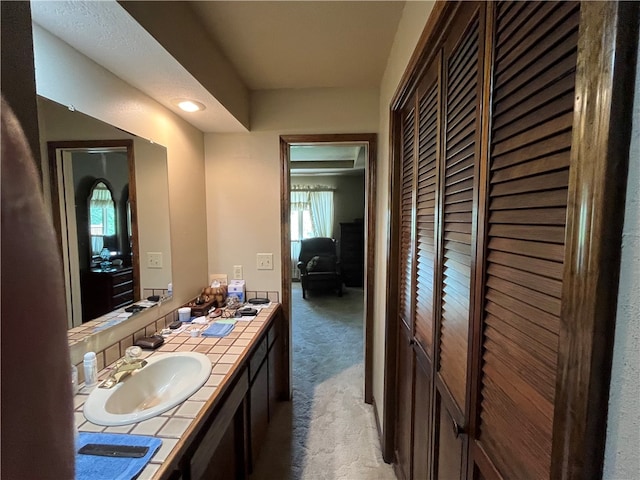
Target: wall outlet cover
[[237, 272]]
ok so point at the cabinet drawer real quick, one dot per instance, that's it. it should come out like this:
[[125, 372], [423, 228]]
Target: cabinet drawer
[[122, 300], [122, 277], [122, 288]]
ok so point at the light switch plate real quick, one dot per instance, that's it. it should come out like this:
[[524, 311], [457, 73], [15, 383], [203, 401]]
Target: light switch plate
[[264, 261]]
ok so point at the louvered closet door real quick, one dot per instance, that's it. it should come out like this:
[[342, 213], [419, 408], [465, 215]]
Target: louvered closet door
[[426, 187], [405, 366], [533, 97], [462, 65], [457, 188]]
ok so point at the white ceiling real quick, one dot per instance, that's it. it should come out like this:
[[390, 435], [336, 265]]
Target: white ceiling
[[272, 45], [328, 159]]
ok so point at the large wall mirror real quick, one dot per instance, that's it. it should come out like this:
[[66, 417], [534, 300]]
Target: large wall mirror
[[110, 204]]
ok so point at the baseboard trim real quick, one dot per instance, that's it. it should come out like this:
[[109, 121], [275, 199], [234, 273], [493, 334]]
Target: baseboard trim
[[378, 427]]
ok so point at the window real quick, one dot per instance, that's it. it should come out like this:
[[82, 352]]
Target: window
[[102, 217]]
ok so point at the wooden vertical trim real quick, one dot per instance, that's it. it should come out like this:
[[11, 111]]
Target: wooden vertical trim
[[285, 249], [52, 153], [392, 327], [133, 204], [370, 245], [478, 226], [478, 263], [438, 219], [607, 46]]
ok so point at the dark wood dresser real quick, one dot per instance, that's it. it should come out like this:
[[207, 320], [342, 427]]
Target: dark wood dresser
[[352, 253], [105, 290]]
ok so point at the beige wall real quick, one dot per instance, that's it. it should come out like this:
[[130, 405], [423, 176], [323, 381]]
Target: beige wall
[[243, 172], [69, 78], [623, 426], [412, 22]]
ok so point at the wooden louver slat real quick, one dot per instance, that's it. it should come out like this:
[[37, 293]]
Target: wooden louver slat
[[458, 173], [425, 216], [406, 216], [528, 176]]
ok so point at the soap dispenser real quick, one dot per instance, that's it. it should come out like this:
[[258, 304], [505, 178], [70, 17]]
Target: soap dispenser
[[90, 369]]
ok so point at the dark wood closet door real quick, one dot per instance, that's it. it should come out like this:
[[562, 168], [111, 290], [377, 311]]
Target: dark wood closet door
[[462, 81], [428, 151], [405, 376], [528, 175]]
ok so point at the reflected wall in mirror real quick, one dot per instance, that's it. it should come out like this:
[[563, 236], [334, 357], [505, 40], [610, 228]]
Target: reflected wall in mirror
[[87, 159]]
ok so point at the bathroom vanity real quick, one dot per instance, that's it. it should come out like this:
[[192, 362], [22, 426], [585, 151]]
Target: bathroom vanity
[[217, 432]]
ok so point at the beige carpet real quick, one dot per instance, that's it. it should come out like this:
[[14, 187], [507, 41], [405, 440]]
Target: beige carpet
[[327, 431]]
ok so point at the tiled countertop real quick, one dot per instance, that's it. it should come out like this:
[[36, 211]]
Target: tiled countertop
[[175, 425]]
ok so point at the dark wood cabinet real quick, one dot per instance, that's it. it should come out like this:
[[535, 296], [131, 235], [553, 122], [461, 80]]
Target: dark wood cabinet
[[228, 447], [105, 290], [488, 235], [352, 253]]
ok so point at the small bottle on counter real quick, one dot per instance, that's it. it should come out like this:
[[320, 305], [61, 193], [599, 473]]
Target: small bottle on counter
[[170, 290], [90, 369]]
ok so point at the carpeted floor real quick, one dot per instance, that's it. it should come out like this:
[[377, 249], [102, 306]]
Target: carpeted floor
[[327, 432]]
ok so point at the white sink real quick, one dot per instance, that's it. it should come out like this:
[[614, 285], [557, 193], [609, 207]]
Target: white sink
[[166, 380]]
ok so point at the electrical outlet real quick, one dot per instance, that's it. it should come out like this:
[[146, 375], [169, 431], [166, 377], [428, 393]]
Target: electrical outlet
[[154, 259], [264, 261], [237, 272]]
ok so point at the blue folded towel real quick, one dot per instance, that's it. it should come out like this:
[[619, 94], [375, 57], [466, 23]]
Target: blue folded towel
[[92, 467], [218, 330]]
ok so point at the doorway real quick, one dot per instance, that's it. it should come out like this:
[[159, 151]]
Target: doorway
[[76, 167], [368, 142]]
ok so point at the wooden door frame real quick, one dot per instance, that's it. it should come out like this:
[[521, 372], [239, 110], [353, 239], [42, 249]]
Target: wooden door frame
[[370, 139], [53, 148], [607, 50]]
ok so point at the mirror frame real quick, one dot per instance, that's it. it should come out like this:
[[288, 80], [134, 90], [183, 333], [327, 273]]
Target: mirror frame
[[52, 152]]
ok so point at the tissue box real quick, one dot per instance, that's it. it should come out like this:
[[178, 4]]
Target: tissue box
[[236, 288]]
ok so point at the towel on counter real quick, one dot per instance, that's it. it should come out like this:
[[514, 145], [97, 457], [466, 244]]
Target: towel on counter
[[93, 467], [218, 329]]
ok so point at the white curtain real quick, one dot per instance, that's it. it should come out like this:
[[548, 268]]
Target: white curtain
[[322, 213], [299, 201], [314, 210]]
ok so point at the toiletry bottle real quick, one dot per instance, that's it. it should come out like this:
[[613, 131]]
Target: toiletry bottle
[[90, 369], [170, 290]]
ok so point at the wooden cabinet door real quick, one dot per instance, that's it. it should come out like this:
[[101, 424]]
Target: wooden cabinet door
[[404, 416], [462, 85], [422, 413], [528, 175], [404, 364]]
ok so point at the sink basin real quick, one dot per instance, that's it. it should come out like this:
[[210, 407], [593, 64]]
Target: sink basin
[[166, 381]]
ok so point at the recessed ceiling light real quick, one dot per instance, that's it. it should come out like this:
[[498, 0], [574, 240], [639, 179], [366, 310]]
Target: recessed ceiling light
[[189, 105]]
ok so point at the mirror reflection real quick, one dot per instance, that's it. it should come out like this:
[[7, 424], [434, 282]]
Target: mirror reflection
[[109, 196], [102, 219]]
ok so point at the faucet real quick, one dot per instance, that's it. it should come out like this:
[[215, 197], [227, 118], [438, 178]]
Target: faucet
[[124, 367]]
